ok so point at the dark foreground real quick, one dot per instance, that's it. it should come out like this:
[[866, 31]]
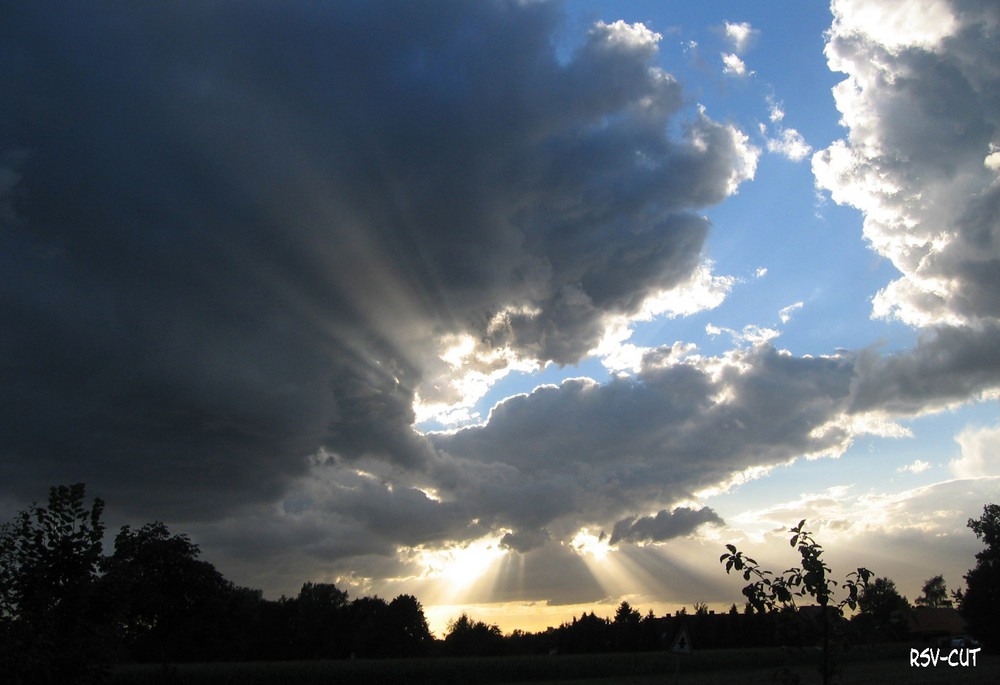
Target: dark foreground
[[885, 664]]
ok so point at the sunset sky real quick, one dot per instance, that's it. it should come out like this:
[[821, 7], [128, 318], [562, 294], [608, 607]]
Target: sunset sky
[[522, 307]]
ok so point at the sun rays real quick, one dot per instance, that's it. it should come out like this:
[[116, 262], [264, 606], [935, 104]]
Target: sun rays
[[618, 570], [514, 589], [457, 573]]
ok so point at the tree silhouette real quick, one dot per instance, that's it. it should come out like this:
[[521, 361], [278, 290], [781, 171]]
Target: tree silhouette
[[626, 627], [369, 618], [321, 622], [980, 603], [770, 593], [407, 633], [53, 619], [935, 594], [882, 608], [590, 633], [172, 605], [472, 638], [67, 611]]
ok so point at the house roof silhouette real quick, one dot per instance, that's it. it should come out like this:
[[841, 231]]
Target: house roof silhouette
[[932, 622]]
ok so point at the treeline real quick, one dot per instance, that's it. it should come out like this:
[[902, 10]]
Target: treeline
[[68, 611], [630, 631]]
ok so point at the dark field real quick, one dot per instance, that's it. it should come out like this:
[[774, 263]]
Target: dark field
[[888, 664]]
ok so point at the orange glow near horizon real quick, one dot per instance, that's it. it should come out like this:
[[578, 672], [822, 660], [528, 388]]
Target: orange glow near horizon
[[534, 617], [489, 583]]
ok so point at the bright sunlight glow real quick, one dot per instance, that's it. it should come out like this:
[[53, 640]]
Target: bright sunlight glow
[[587, 543], [462, 565]]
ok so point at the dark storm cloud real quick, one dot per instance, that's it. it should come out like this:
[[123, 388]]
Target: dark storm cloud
[[524, 541], [588, 454], [665, 525], [235, 231], [949, 364], [584, 453], [575, 226]]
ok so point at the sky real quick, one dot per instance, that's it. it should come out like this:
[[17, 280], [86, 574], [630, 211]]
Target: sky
[[525, 308]]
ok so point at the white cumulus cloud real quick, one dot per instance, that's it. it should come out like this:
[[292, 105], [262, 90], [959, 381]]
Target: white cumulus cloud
[[923, 123], [980, 453], [919, 466], [896, 23], [733, 65], [790, 144], [739, 35]]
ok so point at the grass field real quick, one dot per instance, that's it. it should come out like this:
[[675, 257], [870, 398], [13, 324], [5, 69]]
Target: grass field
[[740, 666]]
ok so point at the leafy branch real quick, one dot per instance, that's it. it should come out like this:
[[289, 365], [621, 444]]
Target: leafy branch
[[767, 592]]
